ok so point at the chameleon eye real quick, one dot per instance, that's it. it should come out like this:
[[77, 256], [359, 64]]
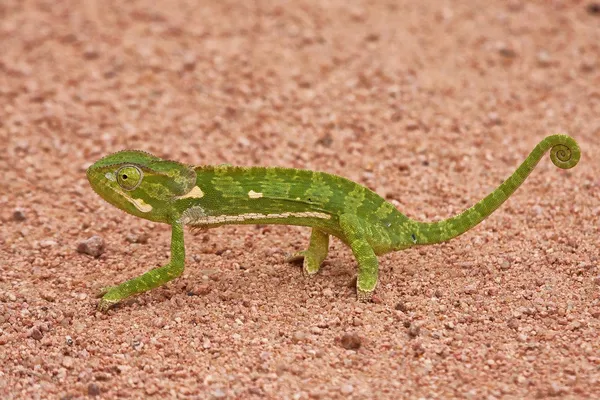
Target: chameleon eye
[[129, 177]]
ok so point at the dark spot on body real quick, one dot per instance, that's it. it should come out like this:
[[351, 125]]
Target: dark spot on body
[[414, 238]]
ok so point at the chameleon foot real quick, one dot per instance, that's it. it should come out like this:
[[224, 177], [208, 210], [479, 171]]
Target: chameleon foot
[[104, 305], [109, 298], [310, 264], [364, 296]]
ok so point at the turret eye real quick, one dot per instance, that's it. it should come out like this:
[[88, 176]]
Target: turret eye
[[129, 177]]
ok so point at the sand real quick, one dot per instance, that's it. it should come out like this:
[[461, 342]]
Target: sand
[[431, 104]]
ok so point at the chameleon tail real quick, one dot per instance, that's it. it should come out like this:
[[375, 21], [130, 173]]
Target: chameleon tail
[[564, 153]]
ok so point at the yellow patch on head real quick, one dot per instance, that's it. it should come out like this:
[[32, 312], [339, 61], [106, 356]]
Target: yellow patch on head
[[254, 195], [141, 205], [195, 193]]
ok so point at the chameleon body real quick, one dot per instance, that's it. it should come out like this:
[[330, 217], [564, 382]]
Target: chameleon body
[[209, 196]]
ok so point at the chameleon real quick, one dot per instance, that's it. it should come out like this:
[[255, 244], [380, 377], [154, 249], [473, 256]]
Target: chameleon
[[209, 196]]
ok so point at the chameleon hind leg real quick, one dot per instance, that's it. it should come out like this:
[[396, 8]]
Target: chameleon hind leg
[[151, 279], [368, 266], [315, 254]]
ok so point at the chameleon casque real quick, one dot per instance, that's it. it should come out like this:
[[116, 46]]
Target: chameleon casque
[[209, 196]]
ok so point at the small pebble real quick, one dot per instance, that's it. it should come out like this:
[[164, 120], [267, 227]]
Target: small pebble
[[19, 215], [543, 59], [44, 244], [141, 238], [67, 362], [351, 341], [37, 334], [93, 246], [200, 290], [414, 330], [347, 389], [298, 337], [93, 390], [470, 289]]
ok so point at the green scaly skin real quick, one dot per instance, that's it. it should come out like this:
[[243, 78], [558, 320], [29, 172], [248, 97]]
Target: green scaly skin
[[209, 196]]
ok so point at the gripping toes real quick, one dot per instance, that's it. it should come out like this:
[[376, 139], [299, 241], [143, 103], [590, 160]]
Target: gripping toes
[[314, 255]]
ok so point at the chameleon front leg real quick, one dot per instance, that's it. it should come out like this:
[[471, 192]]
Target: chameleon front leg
[[368, 266], [314, 255], [152, 278]]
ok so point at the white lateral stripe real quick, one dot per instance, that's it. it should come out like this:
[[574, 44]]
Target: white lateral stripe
[[219, 219], [195, 193], [254, 195]]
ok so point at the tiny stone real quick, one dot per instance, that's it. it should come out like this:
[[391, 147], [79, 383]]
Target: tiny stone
[[543, 59], [93, 390], [507, 53], [19, 214], [504, 265], [48, 297], [11, 296], [351, 341], [36, 334], [44, 244], [494, 118], [90, 53], [67, 362], [141, 238], [414, 330], [93, 246], [513, 324], [470, 289], [575, 325], [159, 322], [347, 389], [219, 394], [69, 340], [200, 290], [556, 389], [328, 292], [401, 307], [315, 330], [298, 337]]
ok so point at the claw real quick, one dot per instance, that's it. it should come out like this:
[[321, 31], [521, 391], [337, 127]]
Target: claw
[[364, 297], [295, 257], [103, 291]]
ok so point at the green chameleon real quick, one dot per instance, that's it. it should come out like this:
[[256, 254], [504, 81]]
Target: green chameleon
[[208, 196]]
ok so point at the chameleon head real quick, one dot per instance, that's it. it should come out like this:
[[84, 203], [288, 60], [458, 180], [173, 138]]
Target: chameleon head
[[140, 183]]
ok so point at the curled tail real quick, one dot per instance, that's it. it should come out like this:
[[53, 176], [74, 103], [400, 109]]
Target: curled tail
[[564, 153]]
